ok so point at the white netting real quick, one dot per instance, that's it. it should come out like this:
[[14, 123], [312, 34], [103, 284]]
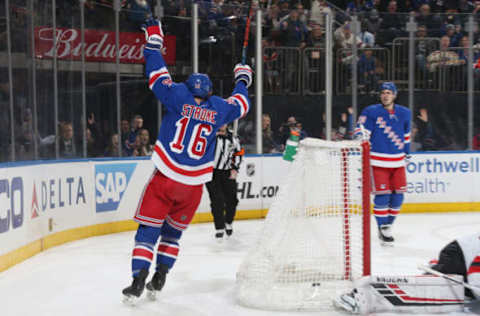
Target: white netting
[[311, 245]]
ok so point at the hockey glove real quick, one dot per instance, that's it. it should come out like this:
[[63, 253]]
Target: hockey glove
[[408, 159], [243, 73], [153, 34]]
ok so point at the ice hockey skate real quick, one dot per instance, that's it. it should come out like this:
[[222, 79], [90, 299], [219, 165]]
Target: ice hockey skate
[[219, 236], [133, 292], [157, 282], [228, 230], [347, 302], [385, 235]]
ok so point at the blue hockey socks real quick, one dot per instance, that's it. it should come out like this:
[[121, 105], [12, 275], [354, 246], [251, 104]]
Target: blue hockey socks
[[381, 208], [145, 241], [396, 200]]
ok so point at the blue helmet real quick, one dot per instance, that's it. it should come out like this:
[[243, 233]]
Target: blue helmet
[[388, 85], [199, 85]]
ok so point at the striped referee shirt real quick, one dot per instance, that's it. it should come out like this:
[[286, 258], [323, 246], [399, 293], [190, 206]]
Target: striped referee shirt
[[228, 152]]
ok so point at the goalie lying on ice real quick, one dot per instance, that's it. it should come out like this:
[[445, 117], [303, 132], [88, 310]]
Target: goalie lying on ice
[[428, 293]]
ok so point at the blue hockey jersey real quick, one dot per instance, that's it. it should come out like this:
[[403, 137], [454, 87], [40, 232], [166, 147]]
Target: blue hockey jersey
[[184, 150], [388, 132]]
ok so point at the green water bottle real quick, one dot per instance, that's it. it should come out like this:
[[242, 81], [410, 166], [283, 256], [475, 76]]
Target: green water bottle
[[291, 145]]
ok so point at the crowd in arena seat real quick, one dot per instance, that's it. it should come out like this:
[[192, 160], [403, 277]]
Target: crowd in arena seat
[[441, 45]]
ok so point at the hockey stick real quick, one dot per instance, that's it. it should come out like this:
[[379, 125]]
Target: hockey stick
[[247, 33], [475, 289], [244, 52]]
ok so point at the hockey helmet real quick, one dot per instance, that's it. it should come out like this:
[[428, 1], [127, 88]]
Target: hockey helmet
[[199, 85], [388, 85]]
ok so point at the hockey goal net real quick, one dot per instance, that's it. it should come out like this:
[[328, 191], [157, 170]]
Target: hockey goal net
[[316, 237]]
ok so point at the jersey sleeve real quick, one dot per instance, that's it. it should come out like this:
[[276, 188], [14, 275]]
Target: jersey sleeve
[[239, 103], [407, 126], [238, 153], [160, 81], [365, 125]]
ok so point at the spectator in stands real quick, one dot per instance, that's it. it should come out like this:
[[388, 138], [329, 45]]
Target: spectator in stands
[[125, 130], [137, 12], [367, 38], [443, 57], [112, 148], [299, 128], [269, 144], [67, 145], [272, 22], [318, 10], [453, 36], [345, 128], [373, 21], [270, 61], [430, 21], [392, 24], [135, 126], [423, 47], [464, 6], [95, 143], [295, 32], [94, 147], [367, 77], [145, 148], [284, 8], [302, 13], [359, 6], [425, 134], [285, 129], [317, 38]]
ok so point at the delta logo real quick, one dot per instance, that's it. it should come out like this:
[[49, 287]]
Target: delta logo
[[111, 182]]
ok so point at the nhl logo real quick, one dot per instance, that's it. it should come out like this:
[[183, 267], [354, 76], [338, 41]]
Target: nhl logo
[[198, 83], [183, 217], [250, 169]]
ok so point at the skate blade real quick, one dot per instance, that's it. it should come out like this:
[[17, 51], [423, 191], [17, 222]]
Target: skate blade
[[152, 295], [130, 300], [386, 244]]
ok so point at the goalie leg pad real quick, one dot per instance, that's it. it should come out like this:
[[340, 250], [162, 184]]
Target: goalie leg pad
[[408, 294]]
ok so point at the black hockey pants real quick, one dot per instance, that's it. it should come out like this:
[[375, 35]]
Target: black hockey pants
[[223, 197]]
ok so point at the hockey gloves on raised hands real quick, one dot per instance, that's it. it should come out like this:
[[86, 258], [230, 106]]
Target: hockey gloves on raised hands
[[243, 73], [153, 34]]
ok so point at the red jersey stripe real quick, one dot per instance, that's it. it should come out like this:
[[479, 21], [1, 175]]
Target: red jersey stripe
[[176, 169]]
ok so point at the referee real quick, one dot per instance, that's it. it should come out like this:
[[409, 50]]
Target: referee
[[223, 187]]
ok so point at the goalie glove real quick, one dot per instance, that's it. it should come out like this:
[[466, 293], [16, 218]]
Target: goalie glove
[[153, 34], [243, 73]]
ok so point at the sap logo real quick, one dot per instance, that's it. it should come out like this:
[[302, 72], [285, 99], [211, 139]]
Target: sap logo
[[11, 203], [111, 181]]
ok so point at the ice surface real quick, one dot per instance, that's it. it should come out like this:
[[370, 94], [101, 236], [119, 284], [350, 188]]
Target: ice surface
[[86, 277]]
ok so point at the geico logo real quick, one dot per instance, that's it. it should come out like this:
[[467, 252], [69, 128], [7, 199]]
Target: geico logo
[[111, 181], [11, 203], [110, 186]]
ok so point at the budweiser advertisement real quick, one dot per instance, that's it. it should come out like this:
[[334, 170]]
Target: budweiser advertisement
[[99, 45]]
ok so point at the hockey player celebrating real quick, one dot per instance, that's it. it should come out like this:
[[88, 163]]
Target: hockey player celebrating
[[387, 126], [442, 292], [183, 157]]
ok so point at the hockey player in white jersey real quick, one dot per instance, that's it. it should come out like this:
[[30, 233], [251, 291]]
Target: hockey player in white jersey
[[428, 293]]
